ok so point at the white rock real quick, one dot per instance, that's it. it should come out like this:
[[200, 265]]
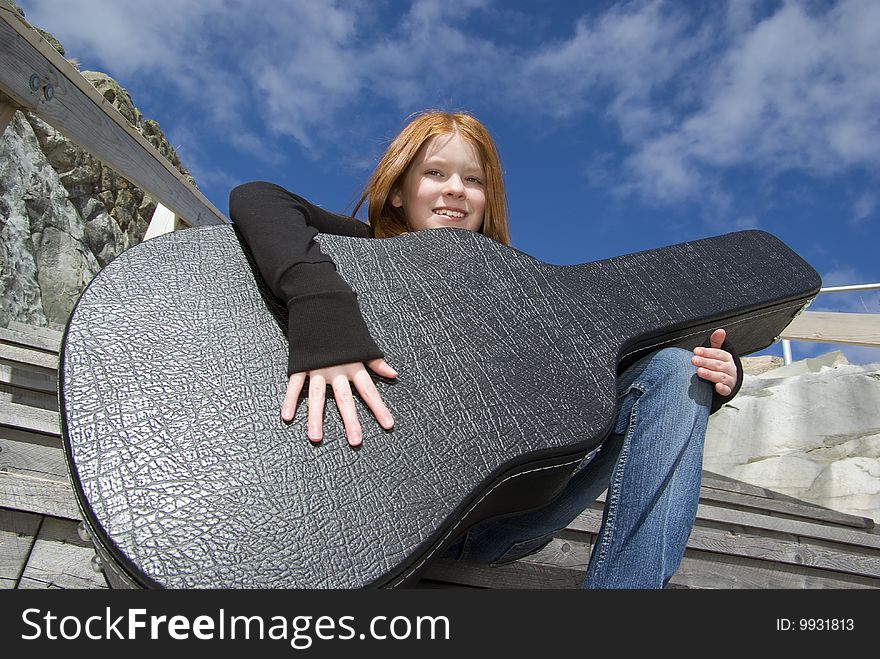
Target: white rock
[[810, 430], [852, 484]]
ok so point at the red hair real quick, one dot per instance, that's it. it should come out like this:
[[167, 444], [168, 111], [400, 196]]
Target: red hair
[[388, 220]]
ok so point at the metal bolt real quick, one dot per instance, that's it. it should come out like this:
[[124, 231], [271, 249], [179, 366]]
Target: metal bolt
[[42, 84], [97, 564], [83, 532]]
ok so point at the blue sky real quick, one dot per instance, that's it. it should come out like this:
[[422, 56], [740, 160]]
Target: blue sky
[[622, 126]]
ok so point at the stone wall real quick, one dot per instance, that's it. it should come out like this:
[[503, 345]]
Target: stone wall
[[64, 214]]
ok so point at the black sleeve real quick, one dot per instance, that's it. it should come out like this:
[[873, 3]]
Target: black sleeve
[[325, 326], [718, 401]]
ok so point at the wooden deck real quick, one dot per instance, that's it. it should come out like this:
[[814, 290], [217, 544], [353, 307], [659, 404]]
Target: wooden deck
[[745, 536]]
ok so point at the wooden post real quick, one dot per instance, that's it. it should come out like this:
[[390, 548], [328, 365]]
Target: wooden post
[[163, 221]]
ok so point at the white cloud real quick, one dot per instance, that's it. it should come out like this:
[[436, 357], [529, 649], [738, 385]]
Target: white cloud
[[796, 91], [692, 94], [300, 65], [795, 87], [864, 206], [629, 53], [133, 36], [286, 61]]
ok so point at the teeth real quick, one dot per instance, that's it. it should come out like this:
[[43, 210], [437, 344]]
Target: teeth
[[450, 213]]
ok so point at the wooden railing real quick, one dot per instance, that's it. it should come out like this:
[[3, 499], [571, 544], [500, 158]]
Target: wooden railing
[[35, 77], [750, 537], [744, 536], [856, 329]]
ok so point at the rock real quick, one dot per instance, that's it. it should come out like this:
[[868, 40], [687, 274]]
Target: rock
[[64, 213], [810, 365], [810, 430], [45, 264], [851, 483], [756, 365]]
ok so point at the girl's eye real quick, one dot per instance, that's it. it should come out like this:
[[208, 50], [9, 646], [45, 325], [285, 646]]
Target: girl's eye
[[433, 172], [474, 179]]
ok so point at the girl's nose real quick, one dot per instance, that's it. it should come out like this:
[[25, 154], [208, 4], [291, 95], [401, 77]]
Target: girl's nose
[[455, 186]]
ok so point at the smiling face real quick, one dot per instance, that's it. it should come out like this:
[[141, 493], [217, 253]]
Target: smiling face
[[444, 186]]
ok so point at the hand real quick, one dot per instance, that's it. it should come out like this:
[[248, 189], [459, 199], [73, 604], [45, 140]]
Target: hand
[[716, 365], [339, 377]]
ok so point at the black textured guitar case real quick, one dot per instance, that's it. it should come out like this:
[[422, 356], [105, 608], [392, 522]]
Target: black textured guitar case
[[173, 370]]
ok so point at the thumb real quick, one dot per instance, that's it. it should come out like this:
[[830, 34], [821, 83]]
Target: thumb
[[380, 367], [717, 338]]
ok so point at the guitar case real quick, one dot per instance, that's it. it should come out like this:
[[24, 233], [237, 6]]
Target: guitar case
[[173, 369]]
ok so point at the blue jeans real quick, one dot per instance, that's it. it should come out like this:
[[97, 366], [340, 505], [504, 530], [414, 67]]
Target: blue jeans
[[651, 465]]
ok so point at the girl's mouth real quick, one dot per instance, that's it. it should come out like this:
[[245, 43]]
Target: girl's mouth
[[450, 212]]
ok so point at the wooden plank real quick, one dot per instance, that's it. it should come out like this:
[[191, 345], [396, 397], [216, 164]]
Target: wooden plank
[[48, 333], [60, 559], [836, 534], [588, 521], [18, 531], [34, 460], [81, 113], [734, 542], [754, 493], [766, 519], [37, 360], [27, 437], [717, 488], [777, 547], [38, 495], [15, 393], [33, 419], [12, 377], [858, 329], [796, 509], [699, 569], [31, 339], [720, 482], [546, 569], [706, 570]]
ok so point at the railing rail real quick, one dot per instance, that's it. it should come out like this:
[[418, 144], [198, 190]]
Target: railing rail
[[859, 329], [35, 77]]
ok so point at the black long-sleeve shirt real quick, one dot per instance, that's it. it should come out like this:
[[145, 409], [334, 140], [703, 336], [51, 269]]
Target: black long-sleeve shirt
[[325, 326]]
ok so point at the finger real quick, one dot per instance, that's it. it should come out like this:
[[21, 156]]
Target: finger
[[366, 388], [294, 387], [714, 353], [716, 377], [345, 405], [317, 390], [717, 338], [722, 389], [380, 367], [722, 365]]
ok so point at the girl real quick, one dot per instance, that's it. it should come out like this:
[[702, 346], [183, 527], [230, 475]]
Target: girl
[[443, 170]]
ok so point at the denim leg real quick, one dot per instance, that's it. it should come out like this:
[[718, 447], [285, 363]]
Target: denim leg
[[653, 463], [655, 484]]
